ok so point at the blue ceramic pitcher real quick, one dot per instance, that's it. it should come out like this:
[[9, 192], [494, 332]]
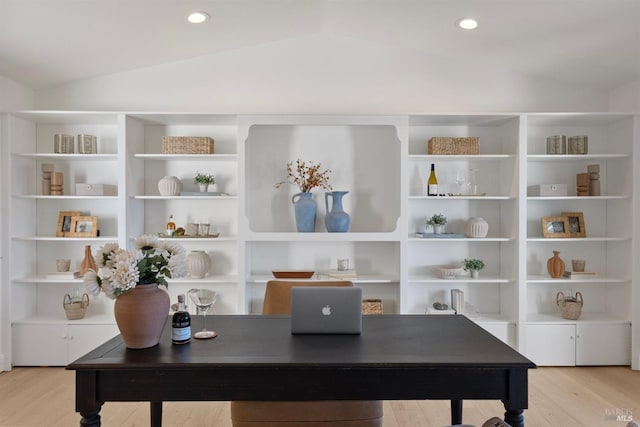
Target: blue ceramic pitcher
[[337, 220]]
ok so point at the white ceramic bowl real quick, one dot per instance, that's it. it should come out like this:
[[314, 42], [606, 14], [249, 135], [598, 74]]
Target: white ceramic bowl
[[447, 271]]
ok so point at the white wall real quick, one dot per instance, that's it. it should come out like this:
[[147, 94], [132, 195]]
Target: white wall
[[625, 98], [13, 96], [320, 73]]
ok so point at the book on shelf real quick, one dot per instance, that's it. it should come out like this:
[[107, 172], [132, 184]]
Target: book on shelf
[[61, 275], [457, 301], [578, 274], [440, 235], [342, 274], [431, 310]]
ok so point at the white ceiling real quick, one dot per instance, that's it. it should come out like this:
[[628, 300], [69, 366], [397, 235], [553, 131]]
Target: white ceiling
[[591, 43]]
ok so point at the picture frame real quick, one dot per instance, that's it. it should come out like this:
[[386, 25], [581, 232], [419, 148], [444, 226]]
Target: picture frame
[[555, 226], [576, 224], [64, 222], [84, 226]]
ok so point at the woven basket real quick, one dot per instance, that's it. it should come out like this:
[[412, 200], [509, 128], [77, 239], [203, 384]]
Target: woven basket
[[372, 306], [451, 145], [187, 145], [570, 308], [75, 308]]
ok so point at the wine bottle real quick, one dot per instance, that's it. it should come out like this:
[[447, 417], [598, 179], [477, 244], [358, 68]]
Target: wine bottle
[[171, 226], [432, 183], [181, 324]]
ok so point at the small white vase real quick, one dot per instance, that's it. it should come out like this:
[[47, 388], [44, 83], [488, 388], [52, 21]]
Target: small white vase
[[170, 186], [476, 227], [474, 274], [198, 264], [203, 187], [438, 228]]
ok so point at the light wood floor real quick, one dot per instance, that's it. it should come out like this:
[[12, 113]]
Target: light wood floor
[[558, 397]]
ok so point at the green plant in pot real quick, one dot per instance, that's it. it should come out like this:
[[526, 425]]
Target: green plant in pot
[[473, 266], [204, 180], [438, 222]]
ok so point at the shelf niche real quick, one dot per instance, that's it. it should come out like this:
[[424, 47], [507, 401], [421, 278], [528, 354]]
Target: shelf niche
[[364, 160]]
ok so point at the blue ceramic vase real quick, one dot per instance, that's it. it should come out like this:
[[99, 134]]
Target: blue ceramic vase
[[305, 209], [337, 220]]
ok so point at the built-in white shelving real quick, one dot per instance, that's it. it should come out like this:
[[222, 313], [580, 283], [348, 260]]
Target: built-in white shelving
[[383, 162]]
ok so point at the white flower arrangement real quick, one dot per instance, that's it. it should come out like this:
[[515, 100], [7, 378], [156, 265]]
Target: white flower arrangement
[[152, 262]]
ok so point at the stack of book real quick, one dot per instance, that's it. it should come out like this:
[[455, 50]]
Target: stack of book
[[342, 274], [577, 274], [63, 275]]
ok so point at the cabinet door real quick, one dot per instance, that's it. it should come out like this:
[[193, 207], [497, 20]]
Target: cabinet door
[[504, 331], [603, 344], [30, 340], [84, 338], [551, 345]]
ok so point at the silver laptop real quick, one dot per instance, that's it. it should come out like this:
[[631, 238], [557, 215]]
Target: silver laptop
[[326, 310]]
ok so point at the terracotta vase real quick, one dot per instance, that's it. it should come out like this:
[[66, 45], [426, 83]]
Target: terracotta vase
[[88, 263], [141, 315], [555, 265]]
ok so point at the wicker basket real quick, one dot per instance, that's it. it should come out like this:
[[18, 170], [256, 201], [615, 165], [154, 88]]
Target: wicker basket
[[451, 145], [187, 145], [75, 308], [372, 306], [570, 308]]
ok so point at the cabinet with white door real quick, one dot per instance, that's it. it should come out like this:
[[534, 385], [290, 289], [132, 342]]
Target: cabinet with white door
[[579, 343]]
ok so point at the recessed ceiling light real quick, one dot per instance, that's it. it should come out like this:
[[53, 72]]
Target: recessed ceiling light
[[467, 23], [198, 17]]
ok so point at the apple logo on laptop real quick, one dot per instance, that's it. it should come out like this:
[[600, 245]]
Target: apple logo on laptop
[[326, 310]]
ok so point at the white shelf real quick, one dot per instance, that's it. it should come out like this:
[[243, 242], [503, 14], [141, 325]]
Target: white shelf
[[581, 198], [207, 279], [320, 275], [61, 319], [41, 197], [457, 157], [229, 197], [585, 317], [474, 198], [199, 239], [43, 279], [578, 239], [574, 157], [595, 279], [190, 157], [459, 279], [58, 156], [66, 239], [323, 237], [413, 238]]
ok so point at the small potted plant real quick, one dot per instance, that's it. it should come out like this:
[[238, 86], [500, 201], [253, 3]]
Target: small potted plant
[[473, 266], [204, 180], [437, 221]]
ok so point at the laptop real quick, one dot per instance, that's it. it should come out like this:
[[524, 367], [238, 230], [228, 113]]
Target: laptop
[[326, 310]]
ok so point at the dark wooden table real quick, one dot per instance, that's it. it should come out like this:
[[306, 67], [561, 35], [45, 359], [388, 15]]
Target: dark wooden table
[[397, 357]]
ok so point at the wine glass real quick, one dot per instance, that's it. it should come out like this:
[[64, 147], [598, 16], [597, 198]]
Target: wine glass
[[460, 178], [204, 300]]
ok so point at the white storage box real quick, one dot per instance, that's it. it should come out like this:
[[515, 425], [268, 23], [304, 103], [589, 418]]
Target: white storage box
[[96, 190], [546, 190]]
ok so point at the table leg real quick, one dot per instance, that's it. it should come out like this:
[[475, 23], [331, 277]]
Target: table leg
[[514, 417], [456, 412], [90, 418], [156, 414]]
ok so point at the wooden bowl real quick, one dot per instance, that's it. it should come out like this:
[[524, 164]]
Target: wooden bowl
[[293, 274]]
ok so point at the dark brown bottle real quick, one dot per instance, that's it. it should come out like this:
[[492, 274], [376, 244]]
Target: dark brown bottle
[[181, 324]]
